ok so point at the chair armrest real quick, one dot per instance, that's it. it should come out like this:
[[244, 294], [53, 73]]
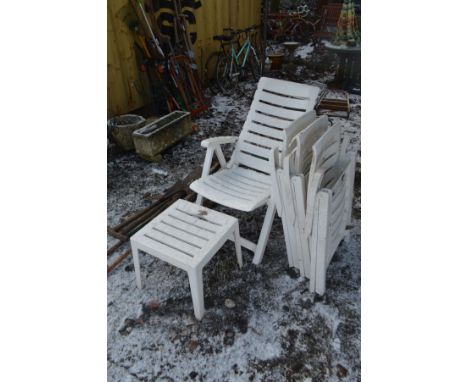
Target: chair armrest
[[213, 146], [211, 142]]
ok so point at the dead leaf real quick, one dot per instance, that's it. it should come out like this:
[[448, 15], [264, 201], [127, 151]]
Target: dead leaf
[[192, 345], [152, 305]]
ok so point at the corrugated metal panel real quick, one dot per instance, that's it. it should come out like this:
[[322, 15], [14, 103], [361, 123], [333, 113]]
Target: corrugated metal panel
[[214, 15], [126, 86]]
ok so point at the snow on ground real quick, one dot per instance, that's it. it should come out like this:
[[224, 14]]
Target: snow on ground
[[277, 330], [304, 50]]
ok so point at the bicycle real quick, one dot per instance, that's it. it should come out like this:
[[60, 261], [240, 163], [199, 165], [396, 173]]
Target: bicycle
[[291, 25], [237, 61]]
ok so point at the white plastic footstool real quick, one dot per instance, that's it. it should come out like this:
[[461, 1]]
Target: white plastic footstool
[[187, 236]]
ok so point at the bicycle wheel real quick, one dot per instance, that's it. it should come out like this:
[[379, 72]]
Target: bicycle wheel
[[256, 64], [209, 76], [227, 74]]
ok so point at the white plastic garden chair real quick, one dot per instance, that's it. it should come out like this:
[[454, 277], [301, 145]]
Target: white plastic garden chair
[[320, 199], [279, 110], [282, 184], [306, 157], [328, 211]]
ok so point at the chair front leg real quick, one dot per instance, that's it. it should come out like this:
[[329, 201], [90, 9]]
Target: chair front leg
[[207, 163], [265, 233]]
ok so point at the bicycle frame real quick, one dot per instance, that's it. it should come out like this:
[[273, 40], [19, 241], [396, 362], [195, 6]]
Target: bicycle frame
[[245, 49]]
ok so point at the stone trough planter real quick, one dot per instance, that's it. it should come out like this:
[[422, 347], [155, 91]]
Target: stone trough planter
[[122, 128], [153, 138]]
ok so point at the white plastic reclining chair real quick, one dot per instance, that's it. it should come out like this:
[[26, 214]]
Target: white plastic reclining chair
[[279, 110], [297, 160], [329, 205], [320, 156], [316, 182]]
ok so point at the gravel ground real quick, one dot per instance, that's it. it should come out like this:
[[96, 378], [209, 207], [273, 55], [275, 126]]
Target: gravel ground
[[274, 329]]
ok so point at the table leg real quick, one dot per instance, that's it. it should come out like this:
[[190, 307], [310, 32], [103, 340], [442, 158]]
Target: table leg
[[196, 287], [136, 262]]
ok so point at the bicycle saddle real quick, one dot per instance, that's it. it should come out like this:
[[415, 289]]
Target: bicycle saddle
[[222, 37]]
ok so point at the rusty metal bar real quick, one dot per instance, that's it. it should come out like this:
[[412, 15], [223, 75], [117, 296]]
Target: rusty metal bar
[[116, 234], [121, 258], [129, 226], [116, 246], [144, 219], [122, 224]]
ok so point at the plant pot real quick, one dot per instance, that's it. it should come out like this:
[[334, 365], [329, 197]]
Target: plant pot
[[276, 60], [122, 128], [156, 136]]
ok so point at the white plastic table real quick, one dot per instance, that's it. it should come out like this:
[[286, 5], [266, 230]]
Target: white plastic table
[[187, 236]]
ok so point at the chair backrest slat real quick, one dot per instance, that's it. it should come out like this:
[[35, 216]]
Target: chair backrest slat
[[275, 112], [253, 162], [325, 152], [279, 110], [268, 120], [260, 140], [304, 142], [288, 88], [298, 104], [255, 150], [264, 131]]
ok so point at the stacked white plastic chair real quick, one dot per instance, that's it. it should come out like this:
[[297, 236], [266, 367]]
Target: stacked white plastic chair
[[283, 186], [315, 187], [329, 205], [280, 109]]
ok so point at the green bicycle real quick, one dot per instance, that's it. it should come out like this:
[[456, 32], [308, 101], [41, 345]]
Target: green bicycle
[[239, 62]]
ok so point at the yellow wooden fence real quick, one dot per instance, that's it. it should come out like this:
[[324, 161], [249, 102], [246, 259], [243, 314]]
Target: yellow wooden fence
[[127, 87]]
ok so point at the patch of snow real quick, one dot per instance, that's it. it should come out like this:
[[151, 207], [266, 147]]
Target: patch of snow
[[222, 104], [159, 171], [304, 50], [331, 316]]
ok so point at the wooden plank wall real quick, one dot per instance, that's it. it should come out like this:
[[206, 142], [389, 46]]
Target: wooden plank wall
[[127, 87]]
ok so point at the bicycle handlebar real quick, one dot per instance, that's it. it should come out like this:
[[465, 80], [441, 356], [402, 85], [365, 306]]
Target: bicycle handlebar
[[237, 31]]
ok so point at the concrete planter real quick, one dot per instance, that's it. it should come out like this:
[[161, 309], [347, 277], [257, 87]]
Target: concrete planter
[[122, 128], [151, 140]]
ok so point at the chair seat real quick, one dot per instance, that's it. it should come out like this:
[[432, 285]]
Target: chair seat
[[238, 188]]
